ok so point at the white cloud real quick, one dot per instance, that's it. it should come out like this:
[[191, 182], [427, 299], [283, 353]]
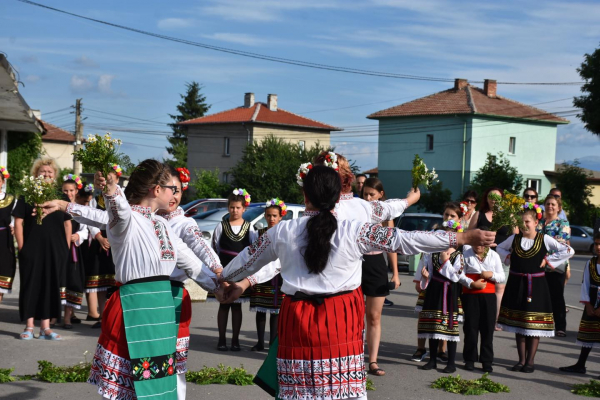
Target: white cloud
[[32, 78], [265, 10], [86, 62], [240, 38], [29, 59], [81, 84], [104, 84], [174, 23], [359, 52]]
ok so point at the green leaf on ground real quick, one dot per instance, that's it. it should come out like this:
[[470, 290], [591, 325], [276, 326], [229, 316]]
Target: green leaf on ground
[[49, 372], [5, 375], [469, 387], [221, 375], [591, 389]]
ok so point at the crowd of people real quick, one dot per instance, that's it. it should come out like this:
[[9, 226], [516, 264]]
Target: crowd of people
[[322, 278]]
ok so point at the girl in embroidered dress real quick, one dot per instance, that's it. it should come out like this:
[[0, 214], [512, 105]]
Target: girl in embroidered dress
[[588, 336], [135, 356], [229, 238], [526, 308], [8, 266], [320, 353]]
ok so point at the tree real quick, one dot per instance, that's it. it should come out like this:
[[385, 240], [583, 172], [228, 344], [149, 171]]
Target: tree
[[573, 183], [193, 106], [433, 201], [23, 150], [268, 169], [497, 172], [126, 164], [206, 184], [590, 101]]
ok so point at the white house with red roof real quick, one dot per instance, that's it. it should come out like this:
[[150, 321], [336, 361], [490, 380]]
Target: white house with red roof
[[453, 131], [218, 140], [58, 144]]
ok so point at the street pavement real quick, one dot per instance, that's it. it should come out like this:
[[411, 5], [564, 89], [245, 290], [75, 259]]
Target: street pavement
[[402, 380]]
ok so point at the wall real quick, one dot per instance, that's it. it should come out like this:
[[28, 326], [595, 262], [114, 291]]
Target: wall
[[61, 152], [292, 134]]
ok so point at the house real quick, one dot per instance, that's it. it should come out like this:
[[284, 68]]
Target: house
[[593, 182], [371, 173], [453, 131], [58, 144], [218, 140]]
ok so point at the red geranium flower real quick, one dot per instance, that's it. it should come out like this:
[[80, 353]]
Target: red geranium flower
[[146, 365], [170, 370]]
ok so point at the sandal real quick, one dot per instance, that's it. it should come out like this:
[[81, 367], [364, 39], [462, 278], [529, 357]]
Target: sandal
[[222, 347], [68, 326], [561, 334], [51, 336], [27, 334], [376, 371]]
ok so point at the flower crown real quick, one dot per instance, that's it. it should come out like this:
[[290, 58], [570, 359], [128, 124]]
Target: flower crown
[[278, 203], [533, 207], [4, 172], [464, 207], [243, 192], [453, 225], [330, 161], [184, 177], [89, 188], [75, 178], [117, 168]]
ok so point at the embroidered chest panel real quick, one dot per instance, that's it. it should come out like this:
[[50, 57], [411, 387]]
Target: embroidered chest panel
[[533, 251], [167, 253], [7, 201], [437, 265], [594, 277], [232, 236]]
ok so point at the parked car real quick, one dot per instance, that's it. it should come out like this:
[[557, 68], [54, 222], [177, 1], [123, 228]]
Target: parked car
[[582, 238], [208, 221], [415, 222], [199, 206]]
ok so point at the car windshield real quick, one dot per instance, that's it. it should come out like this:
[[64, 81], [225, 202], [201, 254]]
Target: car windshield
[[418, 223], [250, 214], [188, 205], [210, 215], [588, 230]]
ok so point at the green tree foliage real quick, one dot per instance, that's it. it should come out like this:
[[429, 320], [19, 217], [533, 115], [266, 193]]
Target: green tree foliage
[[206, 184], [126, 164], [193, 106], [572, 180], [590, 101], [497, 172], [434, 200], [268, 169], [23, 150]]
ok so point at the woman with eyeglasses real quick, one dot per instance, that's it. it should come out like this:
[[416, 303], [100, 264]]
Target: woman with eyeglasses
[[470, 201]]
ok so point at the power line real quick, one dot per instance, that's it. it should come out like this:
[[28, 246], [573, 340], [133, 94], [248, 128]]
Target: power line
[[264, 57]]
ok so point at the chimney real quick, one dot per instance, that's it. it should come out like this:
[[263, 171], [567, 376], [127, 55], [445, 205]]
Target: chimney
[[272, 102], [460, 83], [489, 88], [248, 100], [37, 114]]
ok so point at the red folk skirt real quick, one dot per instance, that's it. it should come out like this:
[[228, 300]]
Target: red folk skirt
[[183, 335], [321, 350]]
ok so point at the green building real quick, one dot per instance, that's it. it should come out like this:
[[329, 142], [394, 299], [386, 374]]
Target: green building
[[453, 131]]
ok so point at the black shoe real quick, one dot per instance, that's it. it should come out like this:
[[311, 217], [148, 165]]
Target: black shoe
[[257, 347], [222, 347], [470, 366], [574, 369], [97, 325], [487, 368], [67, 326], [443, 357], [450, 369], [430, 365], [88, 318], [419, 355], [235, 348], [386, 302], [528, 369], [517, 367], [75, 320]]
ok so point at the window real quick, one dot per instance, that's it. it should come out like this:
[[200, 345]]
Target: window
[[535, 183], [226, 146], [225, 177], [512, 143], [301, 144], [577, 232], [429, 143]]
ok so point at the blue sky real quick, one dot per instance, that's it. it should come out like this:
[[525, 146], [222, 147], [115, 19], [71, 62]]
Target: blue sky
[[61, 58]]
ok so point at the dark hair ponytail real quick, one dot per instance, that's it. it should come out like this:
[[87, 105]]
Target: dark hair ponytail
[[322, 187], [144, 177]]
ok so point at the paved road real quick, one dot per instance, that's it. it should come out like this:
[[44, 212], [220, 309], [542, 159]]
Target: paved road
[[403, 379]]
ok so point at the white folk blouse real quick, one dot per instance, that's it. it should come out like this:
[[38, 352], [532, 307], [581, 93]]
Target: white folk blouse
[[343, 272], [560, 252], [474, 265], [357, 209], [143, 244], [452, 271], [585, 284]]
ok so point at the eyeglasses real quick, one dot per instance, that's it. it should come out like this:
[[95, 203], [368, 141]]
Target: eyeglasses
[[530, 196], [471, 201], [556, 196], [174, 188]]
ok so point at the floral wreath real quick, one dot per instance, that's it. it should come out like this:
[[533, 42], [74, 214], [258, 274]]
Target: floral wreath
[[453, 225], [89, 188], [464, 207], [4, 172], [278, 203], [184, 177], [243, 192], [75, 178], [534, 207], [117, 168], [330, 161]]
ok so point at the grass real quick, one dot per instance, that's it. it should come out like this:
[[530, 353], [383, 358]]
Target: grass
[[469, 387]]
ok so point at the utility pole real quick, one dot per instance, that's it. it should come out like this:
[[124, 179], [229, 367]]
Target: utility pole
[[78, 136]]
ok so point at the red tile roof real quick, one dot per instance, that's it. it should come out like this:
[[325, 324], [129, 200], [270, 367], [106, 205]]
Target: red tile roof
[[260, 113], [467, 100], [372, 171], [54, 133]]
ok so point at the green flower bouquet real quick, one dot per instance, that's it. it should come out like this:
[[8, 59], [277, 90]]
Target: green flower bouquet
[[37, 191], [507, 211], [421, 174], [100, 153]]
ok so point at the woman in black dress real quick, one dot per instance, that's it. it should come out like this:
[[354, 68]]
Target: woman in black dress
[[7, 247], [43, 254]]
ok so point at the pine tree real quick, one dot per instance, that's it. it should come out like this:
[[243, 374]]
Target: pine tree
[[590, 101], [193, 106]]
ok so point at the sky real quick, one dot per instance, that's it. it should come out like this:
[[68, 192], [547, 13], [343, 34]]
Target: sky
[[132, 82]]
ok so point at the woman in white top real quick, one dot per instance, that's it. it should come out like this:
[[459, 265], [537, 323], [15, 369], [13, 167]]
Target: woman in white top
[[135, 355], [320, 354]]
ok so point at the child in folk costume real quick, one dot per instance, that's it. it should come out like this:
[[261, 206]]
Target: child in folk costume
[[266, 296], [526, 308], [321, 354], [135, 355], [588, 336], [229, 238], [8, 266], [480, 304]]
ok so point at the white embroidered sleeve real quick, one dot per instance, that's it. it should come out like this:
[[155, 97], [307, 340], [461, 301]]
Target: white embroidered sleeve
[[585, 284], [560, 252], [119, 212], [252, 258], [194, 240], [496, 267], [83, 234], [387, 210], [266, 273], [505, 248], [92, 217], [454, 271], [93, 231], [187, 261], [373, 237]]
